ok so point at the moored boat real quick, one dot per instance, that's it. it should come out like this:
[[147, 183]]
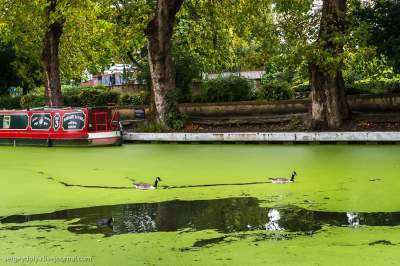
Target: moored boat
[[60, 127]]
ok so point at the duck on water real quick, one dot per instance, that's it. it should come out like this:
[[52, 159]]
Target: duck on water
[[280, 180], [147, 186]]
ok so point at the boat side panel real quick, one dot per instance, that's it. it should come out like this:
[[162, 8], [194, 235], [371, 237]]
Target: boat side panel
[[57, 134]]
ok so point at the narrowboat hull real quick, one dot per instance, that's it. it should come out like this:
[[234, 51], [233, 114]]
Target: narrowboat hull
[[60, 127]]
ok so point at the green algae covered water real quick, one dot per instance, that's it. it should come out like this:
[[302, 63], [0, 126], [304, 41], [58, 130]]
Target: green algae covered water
[[215, 204]]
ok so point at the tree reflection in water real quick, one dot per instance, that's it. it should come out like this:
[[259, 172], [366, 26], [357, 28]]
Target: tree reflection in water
[[224, 215]]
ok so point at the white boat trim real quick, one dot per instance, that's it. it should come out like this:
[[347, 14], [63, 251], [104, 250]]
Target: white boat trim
[[104, 135]]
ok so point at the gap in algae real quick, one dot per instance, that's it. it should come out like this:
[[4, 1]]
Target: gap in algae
[[230, 215]]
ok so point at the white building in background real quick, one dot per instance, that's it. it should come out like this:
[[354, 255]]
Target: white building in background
[[252, 75], [116, 75]]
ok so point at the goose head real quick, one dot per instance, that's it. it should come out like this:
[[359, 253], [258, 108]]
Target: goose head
[[293, 176], [158, 179]]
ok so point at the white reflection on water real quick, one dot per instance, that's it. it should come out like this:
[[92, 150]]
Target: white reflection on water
[[353, 219], [273, 221]]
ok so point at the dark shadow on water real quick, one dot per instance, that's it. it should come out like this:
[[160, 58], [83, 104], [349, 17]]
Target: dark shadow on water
[[217, 185], [209, 241], [223, 215], [164, 187], [89, 186], [381, 242]]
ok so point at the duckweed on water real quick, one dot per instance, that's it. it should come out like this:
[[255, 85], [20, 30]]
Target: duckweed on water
[[336, 185]]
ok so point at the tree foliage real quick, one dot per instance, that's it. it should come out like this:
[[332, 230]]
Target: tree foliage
[[227, 35], [383, 19], [86, 39]]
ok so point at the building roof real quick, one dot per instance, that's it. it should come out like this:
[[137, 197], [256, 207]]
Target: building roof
[[118, 68]]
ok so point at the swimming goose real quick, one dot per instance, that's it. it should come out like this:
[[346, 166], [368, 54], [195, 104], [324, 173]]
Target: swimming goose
[[146, 186], [280, 180]]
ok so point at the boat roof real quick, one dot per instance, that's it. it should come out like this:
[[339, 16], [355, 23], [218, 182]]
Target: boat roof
[[49, 109], [46, 108]]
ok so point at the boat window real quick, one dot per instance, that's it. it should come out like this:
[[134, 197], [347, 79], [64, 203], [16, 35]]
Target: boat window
[[74, 121], [6, 121], [41, 121], [10, 121]]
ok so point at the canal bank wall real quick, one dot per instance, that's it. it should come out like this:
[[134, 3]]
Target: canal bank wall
[[261, 137], [357, 103], [377, 108]]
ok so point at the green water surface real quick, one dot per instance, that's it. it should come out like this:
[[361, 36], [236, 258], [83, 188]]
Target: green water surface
[[342, 178]]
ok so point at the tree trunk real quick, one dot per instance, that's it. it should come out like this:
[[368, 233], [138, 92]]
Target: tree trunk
[[159, 33], [329, 104], [50, 60]]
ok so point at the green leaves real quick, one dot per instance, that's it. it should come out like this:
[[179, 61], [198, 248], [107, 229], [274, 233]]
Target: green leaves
[[226, 35], [87, 36], [216, 35]]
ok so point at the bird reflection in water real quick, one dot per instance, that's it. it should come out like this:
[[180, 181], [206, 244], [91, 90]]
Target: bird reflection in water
[[273, 221], [224, 215], [353, 219]]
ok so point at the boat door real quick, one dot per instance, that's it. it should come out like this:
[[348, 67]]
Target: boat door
[[100, 121]]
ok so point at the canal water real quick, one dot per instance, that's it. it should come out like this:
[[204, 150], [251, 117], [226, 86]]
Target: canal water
[[229, 215], [57, 200]]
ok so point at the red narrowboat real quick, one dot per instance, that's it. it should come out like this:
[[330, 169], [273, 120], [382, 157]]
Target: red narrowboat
[[60, 127]]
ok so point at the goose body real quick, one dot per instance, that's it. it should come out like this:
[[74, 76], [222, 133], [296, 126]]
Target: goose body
[[144, 186], [147, 186], [281, 180]]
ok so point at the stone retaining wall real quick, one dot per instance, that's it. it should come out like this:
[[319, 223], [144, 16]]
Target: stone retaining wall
[[292, 137], [360, 103]]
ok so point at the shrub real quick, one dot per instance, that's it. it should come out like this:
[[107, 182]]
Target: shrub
[[151, 127], [72, 100], [186, 69], [107, 97], [89, 97], [303, 87], [274, 91], [32, 101], [175, 119], [9, 102], [71, 96], [372, 86], [74, 97], [302, 91], [97, 97], [136, 99], [226, 90]]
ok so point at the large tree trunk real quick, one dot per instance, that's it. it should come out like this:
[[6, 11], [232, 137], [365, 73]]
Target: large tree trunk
[[329, 105], [159, 33], [50, 60]]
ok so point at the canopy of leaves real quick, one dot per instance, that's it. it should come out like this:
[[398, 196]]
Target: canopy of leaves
[[86, 40], [228, 34], [279, 36], [383, 18]]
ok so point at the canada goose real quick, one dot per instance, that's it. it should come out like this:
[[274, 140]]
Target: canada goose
[[280, 180], [146, 186]]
